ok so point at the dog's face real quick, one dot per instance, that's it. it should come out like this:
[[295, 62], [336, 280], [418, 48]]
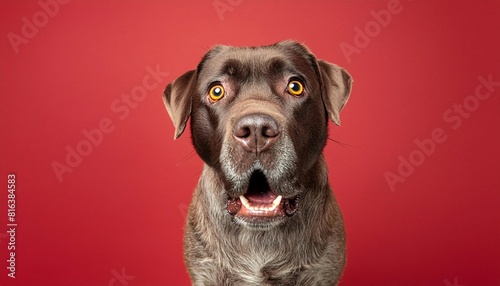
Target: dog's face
[[259, 117]]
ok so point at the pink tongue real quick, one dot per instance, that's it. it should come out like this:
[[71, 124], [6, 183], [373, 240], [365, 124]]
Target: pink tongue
[[261, 197]]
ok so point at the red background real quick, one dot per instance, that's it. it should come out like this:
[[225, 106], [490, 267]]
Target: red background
[[122, 208]]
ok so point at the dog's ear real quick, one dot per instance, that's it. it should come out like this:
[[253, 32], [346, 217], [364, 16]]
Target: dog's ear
[[336, 87], [177, 97]]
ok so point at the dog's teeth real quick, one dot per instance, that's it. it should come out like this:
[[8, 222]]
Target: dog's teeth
[[277, 201], [249, 206], [245, 202]]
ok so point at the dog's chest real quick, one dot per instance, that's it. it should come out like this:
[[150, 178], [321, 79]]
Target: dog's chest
[[263, 266], [254, 273]]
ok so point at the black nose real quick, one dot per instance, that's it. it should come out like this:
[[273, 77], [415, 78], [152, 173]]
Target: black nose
[[256, 132]]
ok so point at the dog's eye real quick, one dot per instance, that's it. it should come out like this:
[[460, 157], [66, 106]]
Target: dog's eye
[[216, 92], [295, 87]]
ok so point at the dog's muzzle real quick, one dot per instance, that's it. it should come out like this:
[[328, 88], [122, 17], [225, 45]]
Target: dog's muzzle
[[260, 206]]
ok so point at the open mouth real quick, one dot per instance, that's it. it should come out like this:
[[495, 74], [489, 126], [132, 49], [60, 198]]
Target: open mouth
[[260, 204]]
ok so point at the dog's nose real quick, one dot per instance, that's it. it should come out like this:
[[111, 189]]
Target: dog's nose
[[256, 132]]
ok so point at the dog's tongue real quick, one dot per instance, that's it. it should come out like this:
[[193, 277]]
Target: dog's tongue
[[264, 197], [259, 191]]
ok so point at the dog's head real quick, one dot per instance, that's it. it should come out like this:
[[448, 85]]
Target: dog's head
[[259, 117]]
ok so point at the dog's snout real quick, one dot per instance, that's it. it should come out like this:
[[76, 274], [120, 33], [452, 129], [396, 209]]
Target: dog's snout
[[256, 132]]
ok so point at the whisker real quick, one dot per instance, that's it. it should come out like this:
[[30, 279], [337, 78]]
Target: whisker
[[345, 145], [197, 174], [189, 156]]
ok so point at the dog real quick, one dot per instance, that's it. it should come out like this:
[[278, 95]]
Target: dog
[[263, 212]]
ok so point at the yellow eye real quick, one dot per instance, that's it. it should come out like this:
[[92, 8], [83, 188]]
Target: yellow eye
[[216, 92], [295, 87]]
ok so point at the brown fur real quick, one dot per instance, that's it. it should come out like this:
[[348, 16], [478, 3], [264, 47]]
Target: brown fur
[[304, 248]]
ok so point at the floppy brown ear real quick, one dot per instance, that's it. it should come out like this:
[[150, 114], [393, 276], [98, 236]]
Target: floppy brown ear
[[177, 97], [336, 87]]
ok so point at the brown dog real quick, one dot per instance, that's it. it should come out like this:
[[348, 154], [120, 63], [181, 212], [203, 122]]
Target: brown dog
[[263, 212]]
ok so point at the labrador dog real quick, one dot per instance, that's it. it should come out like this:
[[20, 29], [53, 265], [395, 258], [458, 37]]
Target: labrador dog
[[263, 212]]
